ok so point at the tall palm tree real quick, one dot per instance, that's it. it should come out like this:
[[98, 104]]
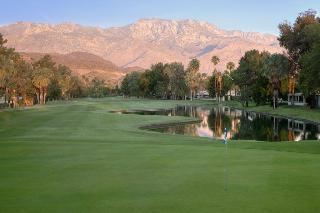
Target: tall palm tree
[[230, 66], [215, 60], [194, 65], [217, 80], [191, 77]]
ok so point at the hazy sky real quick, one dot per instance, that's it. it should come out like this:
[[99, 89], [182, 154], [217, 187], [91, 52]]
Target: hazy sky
[[246, 15]]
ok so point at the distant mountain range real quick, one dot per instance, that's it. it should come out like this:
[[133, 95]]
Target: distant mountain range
[[139, 44]]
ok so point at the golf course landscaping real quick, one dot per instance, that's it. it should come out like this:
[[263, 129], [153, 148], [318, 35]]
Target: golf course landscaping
[[77, 156]]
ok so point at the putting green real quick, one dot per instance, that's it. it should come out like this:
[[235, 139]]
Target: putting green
[[77, 157]]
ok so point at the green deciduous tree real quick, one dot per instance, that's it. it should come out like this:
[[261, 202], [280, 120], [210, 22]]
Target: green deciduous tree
[[177, 84], [275, 69], [293, 37], [310, 73], [66, 81], [310, 65], [130, 84], [210, 86], [247, 74], [97, 88]]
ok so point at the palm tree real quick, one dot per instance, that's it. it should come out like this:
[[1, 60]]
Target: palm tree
[[217, 80], [194, 65], [41, 80], [215, 60], [230, 66], [191, 77]]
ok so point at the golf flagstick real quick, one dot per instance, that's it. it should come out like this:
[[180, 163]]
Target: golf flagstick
[[225, 160]]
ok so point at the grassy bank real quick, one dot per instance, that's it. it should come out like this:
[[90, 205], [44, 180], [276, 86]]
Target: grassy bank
[[78, 157], [298, 112]]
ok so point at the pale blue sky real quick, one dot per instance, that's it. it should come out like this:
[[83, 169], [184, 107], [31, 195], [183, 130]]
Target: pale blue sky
[[246, 15]]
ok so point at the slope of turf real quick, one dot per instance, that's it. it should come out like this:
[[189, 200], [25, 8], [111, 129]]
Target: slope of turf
[[78, 157], [298, 112]]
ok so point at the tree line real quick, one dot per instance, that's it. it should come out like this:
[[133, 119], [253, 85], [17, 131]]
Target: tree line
[[263, 77], [25, 84], [170, 81], [260, 77]]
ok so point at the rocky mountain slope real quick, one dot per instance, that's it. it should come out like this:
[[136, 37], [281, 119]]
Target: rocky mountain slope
[[87, 64], [142, 43]]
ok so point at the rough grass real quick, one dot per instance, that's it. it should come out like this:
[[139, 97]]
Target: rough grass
[[78, 157]]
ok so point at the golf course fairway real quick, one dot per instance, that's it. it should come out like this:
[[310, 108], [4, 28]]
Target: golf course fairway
[[76, 156]]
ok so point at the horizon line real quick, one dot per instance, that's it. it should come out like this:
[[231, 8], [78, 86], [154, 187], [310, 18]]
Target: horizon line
[[131, 23]]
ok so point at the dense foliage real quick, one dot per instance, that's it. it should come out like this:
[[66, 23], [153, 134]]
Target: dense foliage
[[302, 42], [263, 77], [160, 81], [25, 84], [248, 77], [260, 77]]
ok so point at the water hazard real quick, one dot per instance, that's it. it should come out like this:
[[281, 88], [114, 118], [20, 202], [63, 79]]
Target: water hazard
[[241, 124]]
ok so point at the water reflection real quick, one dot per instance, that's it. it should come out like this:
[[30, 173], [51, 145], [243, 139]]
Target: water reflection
[[241, 124]]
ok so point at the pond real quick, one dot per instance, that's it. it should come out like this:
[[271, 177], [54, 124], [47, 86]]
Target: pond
[[241, 124]]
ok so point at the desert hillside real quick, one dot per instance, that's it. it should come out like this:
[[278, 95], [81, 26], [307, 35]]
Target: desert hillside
[[142, 43], [90, 65]]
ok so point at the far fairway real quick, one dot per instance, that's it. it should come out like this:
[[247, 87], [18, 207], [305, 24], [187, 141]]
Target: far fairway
[[78, 157]]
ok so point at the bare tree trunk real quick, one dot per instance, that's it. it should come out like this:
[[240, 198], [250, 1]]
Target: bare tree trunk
[[44, 97], [275, 98], [41, 96], [5, 95], [38, 97], [274, 102], [191, 98]]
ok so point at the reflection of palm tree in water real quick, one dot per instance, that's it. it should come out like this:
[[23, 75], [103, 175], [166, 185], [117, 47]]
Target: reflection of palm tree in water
[[213, 121], [203, 115], [217, 121], [275, 128], [235, 121], [218, 124]]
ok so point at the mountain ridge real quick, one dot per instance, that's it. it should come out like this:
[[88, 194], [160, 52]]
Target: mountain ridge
[[142, 43]]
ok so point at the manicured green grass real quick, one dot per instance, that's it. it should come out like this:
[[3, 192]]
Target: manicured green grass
[[78, 157], [298, 112]]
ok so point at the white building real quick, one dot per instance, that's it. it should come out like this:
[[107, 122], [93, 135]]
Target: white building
[[298, 99]]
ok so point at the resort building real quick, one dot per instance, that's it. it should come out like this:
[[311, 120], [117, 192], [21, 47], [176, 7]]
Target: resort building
[[296, 99]]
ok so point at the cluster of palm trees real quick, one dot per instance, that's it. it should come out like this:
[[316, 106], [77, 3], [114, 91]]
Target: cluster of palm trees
[[194, 78], [23, 83]]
